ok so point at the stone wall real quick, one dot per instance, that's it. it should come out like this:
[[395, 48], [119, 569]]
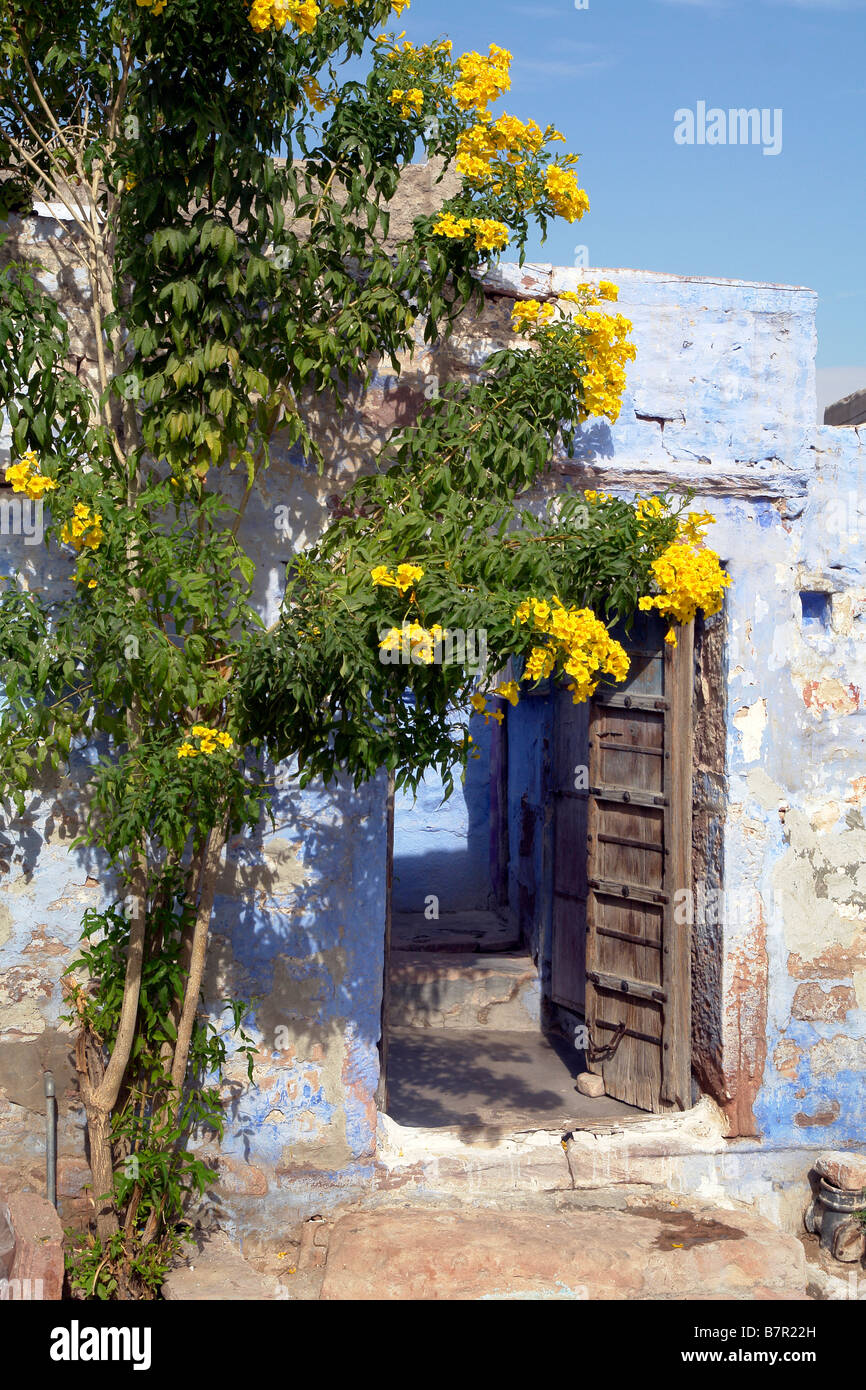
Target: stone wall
[[721, 399]]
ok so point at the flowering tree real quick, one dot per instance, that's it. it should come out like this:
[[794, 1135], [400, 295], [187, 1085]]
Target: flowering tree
[[227, 290]]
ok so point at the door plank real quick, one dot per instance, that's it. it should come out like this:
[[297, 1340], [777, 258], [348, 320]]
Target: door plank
[[639, 853]]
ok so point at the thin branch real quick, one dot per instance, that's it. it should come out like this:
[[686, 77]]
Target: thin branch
[[85, 226]]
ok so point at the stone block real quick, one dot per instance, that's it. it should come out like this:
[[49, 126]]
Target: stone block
[[646, 1253], [38, 1244], [215, 1271], [844, 1170], [590, 1085]]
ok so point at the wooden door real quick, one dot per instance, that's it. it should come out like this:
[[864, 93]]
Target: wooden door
[[635, 958]]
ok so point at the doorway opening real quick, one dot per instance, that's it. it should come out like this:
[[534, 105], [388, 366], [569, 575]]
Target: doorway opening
[[533, 917]]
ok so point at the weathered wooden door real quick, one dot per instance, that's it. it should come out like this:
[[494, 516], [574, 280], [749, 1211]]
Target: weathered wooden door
[[622, 849]]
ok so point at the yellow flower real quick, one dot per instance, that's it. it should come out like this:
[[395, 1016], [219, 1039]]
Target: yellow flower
[[479, 703], [577, 640], [648, 509], [25, 477], [607, 290], [689, 577], [186, 750], [392, 641], [209, 739], [423, 644], [568, 199], [410, 102], [530, 313], [509, 691], [489, 234], [404, 578], [448, 225], [275, 14], [407, 575], [84, 530], [314, 94], [694, 527], [540, 664], [481, 80]]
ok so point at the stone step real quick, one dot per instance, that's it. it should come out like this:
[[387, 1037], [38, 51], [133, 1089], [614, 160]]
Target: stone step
[[462, 991], [453, 931], [674, 1250], [215, 1270]]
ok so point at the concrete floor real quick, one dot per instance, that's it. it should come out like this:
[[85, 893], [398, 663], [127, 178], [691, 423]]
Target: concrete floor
[[489, 1080]]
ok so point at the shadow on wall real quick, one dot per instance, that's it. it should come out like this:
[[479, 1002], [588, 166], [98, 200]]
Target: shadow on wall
[[442, 849], [299, 933]]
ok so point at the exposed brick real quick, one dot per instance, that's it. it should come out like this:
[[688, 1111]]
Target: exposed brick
[[38, 1243], [814, 1004]]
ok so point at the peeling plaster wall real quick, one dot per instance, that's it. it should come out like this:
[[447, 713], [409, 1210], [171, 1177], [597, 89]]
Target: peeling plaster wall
[[721, 399]]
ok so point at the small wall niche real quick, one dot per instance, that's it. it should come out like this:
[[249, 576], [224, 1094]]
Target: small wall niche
[[815, 605]]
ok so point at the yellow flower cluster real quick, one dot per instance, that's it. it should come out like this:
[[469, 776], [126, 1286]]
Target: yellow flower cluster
[[489, 234], [486, 147], [605, 352], [568, 199], [592, 496], [402, 579], [648, 508], [314, 94], [410, 102], [587, 295], [509, 691], [156, 5], [25, 477], [276, 14], [530, 313], [422, 641], [600, 348], [482, 80], [84, 530], [689, 577], [578, 640], [694, 528], [209, 741]]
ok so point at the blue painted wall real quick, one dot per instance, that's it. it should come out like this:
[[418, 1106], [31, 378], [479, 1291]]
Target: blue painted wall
[[442, 848], [721, 399]]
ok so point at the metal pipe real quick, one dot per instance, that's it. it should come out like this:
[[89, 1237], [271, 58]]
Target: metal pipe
[[51, 1138]]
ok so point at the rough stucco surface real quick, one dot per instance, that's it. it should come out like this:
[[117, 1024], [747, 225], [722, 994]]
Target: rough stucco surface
[[721, 399]]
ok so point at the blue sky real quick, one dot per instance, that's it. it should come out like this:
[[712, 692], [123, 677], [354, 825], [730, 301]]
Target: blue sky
[[611, 77]]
